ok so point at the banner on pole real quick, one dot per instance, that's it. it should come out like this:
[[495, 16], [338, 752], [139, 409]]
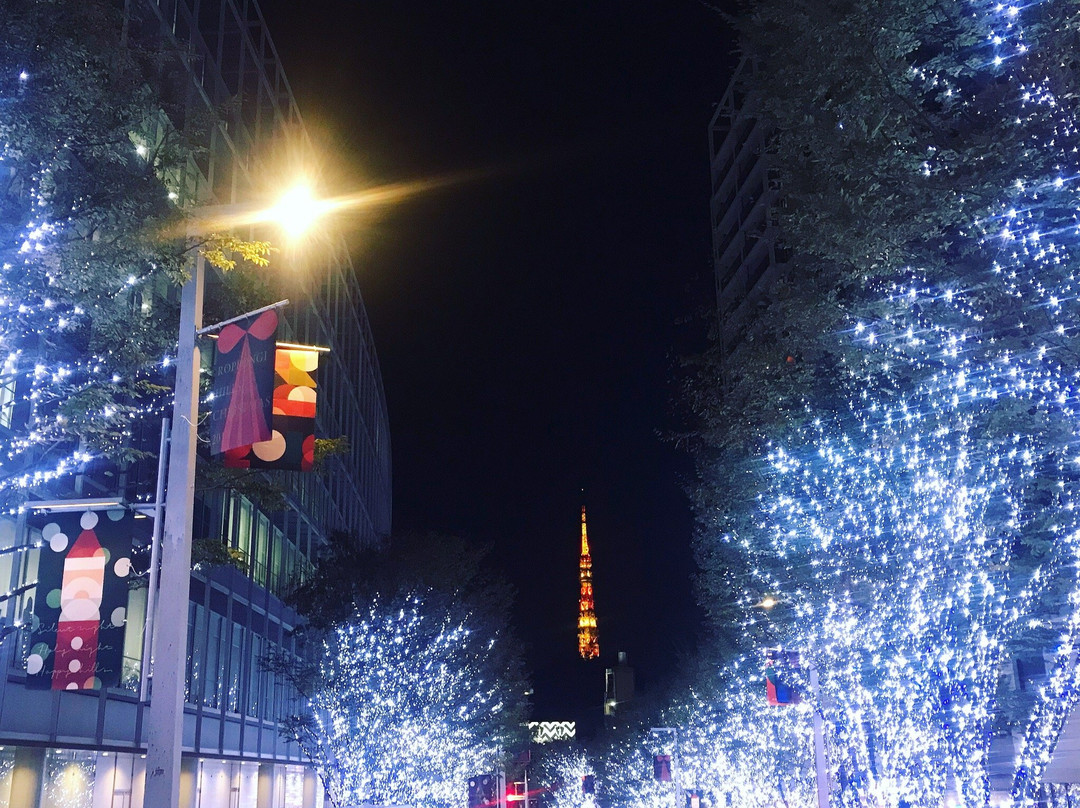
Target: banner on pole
[[779, 666], [291, 445], [77, 632], [662, 768], [243, 384], [482, 791]]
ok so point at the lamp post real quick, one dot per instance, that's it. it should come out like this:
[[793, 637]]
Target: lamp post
[[166, 717], [166, 720], [821, 770]]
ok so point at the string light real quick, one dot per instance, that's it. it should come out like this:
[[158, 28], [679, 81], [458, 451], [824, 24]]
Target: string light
[[80, 344], [922, 536], [404, 709]]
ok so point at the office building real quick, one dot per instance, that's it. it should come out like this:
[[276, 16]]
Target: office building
[[85, 749], [746, 254], [618, 685]]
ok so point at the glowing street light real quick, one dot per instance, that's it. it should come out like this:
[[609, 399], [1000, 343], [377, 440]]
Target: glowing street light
[[297, 210]]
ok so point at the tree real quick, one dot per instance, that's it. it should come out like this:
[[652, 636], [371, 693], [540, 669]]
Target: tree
[[407, 704], [89, 251], [82, 204], [458, 570], [424, 618], [911, 501], [559, 771], [729, 746]]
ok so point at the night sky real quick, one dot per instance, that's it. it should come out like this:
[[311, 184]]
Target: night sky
[[528, 321]]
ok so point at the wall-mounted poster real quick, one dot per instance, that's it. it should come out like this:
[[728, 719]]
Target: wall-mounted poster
[[77, 635]]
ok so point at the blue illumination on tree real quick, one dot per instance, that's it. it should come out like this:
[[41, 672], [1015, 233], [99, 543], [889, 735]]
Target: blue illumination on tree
[[407, 707], [918, 530]]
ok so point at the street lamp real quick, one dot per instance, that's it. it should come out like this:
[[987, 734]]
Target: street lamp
[[166, 718]]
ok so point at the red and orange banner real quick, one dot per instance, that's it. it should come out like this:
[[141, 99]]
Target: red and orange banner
[[291, 445]]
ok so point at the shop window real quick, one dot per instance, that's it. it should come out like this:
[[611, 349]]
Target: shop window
[[69, 779], [7, 766]]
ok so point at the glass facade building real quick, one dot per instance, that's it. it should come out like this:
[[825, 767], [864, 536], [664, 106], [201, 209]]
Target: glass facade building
[[746, 255], [86, 749]]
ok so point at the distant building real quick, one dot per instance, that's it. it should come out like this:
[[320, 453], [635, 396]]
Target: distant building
[[552, 731], [746, 257], [86, 749], [618, 685], [588, 639]]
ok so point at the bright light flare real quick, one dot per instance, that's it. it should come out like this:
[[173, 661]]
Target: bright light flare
[[298, 209]]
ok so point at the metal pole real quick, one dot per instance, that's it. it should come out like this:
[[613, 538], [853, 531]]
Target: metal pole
[[821, 771], [210, 329], [166, 719], [680, 802], [155, 562]]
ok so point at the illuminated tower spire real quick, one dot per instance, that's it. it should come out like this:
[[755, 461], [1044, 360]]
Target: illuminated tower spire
[[588, 642]]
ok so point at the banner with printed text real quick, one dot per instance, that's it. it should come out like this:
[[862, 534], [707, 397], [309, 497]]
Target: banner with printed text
[[80, 609], [240, 407], [291, 445]]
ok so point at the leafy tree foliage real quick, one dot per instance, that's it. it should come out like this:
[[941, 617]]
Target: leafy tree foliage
[[88, 209], [558, 771], [451, 566], [84, 326], [93, 244]]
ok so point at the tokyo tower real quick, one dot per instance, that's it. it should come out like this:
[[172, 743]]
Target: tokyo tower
[[588, 641]]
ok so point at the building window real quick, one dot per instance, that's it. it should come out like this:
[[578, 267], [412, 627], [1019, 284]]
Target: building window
[[69, 779], [259, 550], [242, 509], [214, 661], [7, 400], [254, 677], [7, 767], [236, 657], [24, 602], [131, 672], [194, 654], [1030, 672], [276, 550]]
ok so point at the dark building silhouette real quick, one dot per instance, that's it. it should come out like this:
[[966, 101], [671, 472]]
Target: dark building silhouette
[[746, 256]]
